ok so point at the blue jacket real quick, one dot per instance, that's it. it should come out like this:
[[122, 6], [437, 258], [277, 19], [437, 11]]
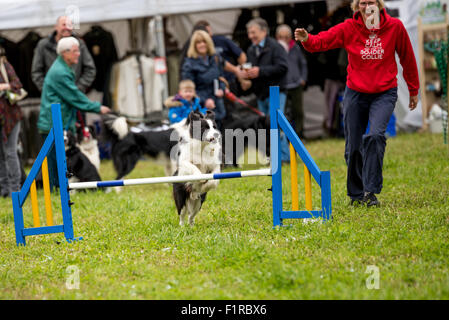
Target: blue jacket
[[180, 108], [203, 73]]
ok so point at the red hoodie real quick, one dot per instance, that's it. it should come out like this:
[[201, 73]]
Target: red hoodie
[[371, 54]]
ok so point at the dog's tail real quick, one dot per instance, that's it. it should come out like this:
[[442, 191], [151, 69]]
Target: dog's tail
[[114, 126]]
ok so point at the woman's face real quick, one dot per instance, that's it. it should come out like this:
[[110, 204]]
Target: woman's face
[[71, 56], [201, 47], [363, 5]]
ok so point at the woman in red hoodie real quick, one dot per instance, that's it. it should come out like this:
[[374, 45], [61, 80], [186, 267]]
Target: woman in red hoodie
[[371, 39]]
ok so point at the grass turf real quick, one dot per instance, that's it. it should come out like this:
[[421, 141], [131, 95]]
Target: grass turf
[[133, 247]]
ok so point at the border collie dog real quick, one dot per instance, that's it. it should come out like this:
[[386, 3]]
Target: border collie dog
[[78, 163], [127, 147], [199, 152]]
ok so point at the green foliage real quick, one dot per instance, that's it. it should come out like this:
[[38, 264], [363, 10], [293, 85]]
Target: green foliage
[[133, 247]]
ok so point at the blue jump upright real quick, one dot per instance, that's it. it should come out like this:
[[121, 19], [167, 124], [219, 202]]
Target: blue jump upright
[[278, 122], [54, 138]]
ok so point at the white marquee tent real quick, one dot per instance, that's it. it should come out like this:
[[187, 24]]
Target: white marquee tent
[[17, 17], [17, 14]]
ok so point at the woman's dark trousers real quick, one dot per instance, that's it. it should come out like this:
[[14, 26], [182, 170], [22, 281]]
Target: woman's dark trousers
[[364, 151]]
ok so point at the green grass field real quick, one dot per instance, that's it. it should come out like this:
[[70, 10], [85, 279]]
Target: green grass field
[[133, 247]]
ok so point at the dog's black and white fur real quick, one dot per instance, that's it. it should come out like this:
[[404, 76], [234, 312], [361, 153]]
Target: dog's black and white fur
[[127, 147], [78, 164], [199, 152], [88, 144]]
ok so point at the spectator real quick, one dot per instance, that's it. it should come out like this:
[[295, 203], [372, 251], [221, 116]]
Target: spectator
[[371, 88], [230, 52], [268, 68], [10, 116], [59, 87], [184, 102], [205, 68], [296, 77], [45, 54], [226, 48], [183, 55]]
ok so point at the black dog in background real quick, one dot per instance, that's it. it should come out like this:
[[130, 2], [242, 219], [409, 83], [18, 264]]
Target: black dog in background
[[127, 147], [240, 117]]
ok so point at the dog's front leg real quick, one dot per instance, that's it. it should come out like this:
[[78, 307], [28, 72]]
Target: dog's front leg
[[186, 169], [182, 216], [193, 189], [210, 184], [193, 207]]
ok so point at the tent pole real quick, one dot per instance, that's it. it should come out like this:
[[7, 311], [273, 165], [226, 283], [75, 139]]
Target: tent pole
[[160, 51]]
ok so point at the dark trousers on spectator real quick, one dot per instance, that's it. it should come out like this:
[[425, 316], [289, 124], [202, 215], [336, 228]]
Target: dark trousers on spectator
[[9, 162], [364, 151], [294, 106]]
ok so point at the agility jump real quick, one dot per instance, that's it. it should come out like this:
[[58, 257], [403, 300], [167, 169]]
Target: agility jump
[[278, 122]]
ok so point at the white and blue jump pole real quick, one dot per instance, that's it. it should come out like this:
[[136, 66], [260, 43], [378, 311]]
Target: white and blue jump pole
[[277, 122], [171, 179]]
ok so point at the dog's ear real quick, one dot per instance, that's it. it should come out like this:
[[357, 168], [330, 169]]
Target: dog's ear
[[210, 115], [193, 116], [71, 138]]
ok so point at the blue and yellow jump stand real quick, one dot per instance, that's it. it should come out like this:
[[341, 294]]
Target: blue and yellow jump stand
[[278, 122], [54, 138]]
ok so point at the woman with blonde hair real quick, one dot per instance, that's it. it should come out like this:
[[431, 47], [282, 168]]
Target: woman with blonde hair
[[371, 39], [205, 68]]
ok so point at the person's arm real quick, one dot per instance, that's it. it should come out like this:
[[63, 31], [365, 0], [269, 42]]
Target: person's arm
[[88, 70], [236, 51], [408, 61], [229, 67], [73, 96], [242, 58], [325, 40], [14, 82], [38, 67]]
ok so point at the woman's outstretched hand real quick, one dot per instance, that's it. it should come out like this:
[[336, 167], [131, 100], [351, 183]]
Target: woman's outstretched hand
[[301, 34]]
